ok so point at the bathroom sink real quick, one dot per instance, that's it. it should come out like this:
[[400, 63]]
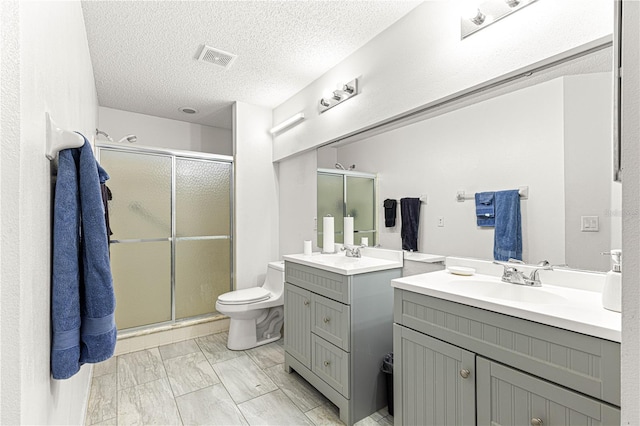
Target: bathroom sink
[[567, 306], [372, 260], [337, 260], [505, 291]]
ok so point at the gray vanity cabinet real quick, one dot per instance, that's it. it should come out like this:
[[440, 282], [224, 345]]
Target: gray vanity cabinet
[[338, 329], [460, 365]]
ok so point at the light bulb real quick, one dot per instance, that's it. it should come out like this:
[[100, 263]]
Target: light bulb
[[469, 9], [327, 94]]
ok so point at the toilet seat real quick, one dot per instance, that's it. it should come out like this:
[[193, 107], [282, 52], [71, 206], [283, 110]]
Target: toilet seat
[[247, 295]]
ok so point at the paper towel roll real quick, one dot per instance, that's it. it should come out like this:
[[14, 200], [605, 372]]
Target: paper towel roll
[[327, 235], [364, 241], [348, 230], [307, 247]]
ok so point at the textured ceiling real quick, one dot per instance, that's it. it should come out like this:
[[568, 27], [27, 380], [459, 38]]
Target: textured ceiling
[[144, 53]]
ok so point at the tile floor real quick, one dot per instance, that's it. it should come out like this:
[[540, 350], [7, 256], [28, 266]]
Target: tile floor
[[200, 381]]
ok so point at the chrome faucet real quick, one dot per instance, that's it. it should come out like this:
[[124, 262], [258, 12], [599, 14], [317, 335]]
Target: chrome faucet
[[353, 251], [513, 275]]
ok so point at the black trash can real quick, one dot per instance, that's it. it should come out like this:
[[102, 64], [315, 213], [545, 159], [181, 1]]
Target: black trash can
[[387, 368]]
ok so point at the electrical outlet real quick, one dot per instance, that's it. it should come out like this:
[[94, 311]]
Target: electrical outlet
[[441, 221], [589, 223], [315, 223]]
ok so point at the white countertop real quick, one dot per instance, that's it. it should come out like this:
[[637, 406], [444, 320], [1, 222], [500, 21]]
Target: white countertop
[[423, 257], [569, 308], [372, 260]]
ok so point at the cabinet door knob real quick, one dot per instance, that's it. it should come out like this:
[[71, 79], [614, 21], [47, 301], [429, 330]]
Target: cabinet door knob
[[326, 319], [306, 302], [536, 421], [465, 373], [326, 364]]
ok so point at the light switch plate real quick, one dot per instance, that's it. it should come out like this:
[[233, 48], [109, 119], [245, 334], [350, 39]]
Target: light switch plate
[[589, 223]]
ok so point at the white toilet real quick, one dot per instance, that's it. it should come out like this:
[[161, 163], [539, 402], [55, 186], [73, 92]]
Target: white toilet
[[256, 314]]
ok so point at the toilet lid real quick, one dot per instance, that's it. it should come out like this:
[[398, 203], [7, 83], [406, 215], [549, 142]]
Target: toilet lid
[[247, 295]]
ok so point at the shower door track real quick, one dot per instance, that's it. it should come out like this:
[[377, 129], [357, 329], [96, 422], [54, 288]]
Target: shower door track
[[174, 155]]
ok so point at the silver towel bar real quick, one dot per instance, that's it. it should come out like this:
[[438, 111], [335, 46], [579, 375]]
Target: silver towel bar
[[522, 190], [423, 199]]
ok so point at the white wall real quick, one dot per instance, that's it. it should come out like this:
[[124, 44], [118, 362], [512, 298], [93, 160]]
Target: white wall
[[165, 133], [496, 144], [421, 58], [255, 195], [298, 193], [630, 389], [588, 171], [46, 68]]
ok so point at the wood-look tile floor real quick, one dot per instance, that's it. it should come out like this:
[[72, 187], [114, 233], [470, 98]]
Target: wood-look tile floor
[[201, 382]]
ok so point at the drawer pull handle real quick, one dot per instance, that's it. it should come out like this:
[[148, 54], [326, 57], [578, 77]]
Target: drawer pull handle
[[466, 373], [306, 302], [326, 364], [326, 319], [536, 421]]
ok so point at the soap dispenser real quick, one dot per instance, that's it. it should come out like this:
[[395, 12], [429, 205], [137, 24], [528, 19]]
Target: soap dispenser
[[612, 291]]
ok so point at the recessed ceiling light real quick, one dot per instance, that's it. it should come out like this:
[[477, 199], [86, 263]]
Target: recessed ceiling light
[[188, 110]]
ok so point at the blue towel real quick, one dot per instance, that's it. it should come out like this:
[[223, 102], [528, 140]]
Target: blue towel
[[485, 212], [410, 212], [508, 230], [83, 301]]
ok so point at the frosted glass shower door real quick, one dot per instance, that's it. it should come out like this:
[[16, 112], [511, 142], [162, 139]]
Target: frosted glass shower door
[[170, 215], [203, 235], [360, 199], [331, 201], [140, 218], [342, 193]]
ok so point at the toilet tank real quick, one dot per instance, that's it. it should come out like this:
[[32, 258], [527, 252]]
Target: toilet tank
[[275, 278]]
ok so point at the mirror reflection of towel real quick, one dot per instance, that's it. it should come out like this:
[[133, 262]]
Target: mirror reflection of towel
[[410, 212], [508, 232], [390, 207], [485, 209]]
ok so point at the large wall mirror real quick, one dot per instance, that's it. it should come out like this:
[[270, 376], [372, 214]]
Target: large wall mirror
[[550, 131]]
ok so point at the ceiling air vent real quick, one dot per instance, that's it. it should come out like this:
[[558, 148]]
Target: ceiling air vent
[[217, 57]]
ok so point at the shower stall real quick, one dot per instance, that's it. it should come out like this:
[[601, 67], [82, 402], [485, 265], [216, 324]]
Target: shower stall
[[171, 245]]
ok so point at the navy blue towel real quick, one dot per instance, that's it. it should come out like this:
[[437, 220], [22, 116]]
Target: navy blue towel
[[410, 212], [390, 208], [508, 231], [485, 211], [82, 299]]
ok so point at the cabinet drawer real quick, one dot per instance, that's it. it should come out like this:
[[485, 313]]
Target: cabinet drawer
[[510, 397], [328, 284], [330, 320], [587, 364], [331, 364]]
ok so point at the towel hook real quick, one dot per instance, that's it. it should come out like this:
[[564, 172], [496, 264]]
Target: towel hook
[[59, 139]]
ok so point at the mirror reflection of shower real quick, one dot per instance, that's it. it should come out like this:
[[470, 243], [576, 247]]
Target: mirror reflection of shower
[[127, 138], [100, 132], [341, 167]]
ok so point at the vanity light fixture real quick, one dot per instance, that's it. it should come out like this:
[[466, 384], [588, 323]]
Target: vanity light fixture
[[287, 123], [336, 97], [478, 14]]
